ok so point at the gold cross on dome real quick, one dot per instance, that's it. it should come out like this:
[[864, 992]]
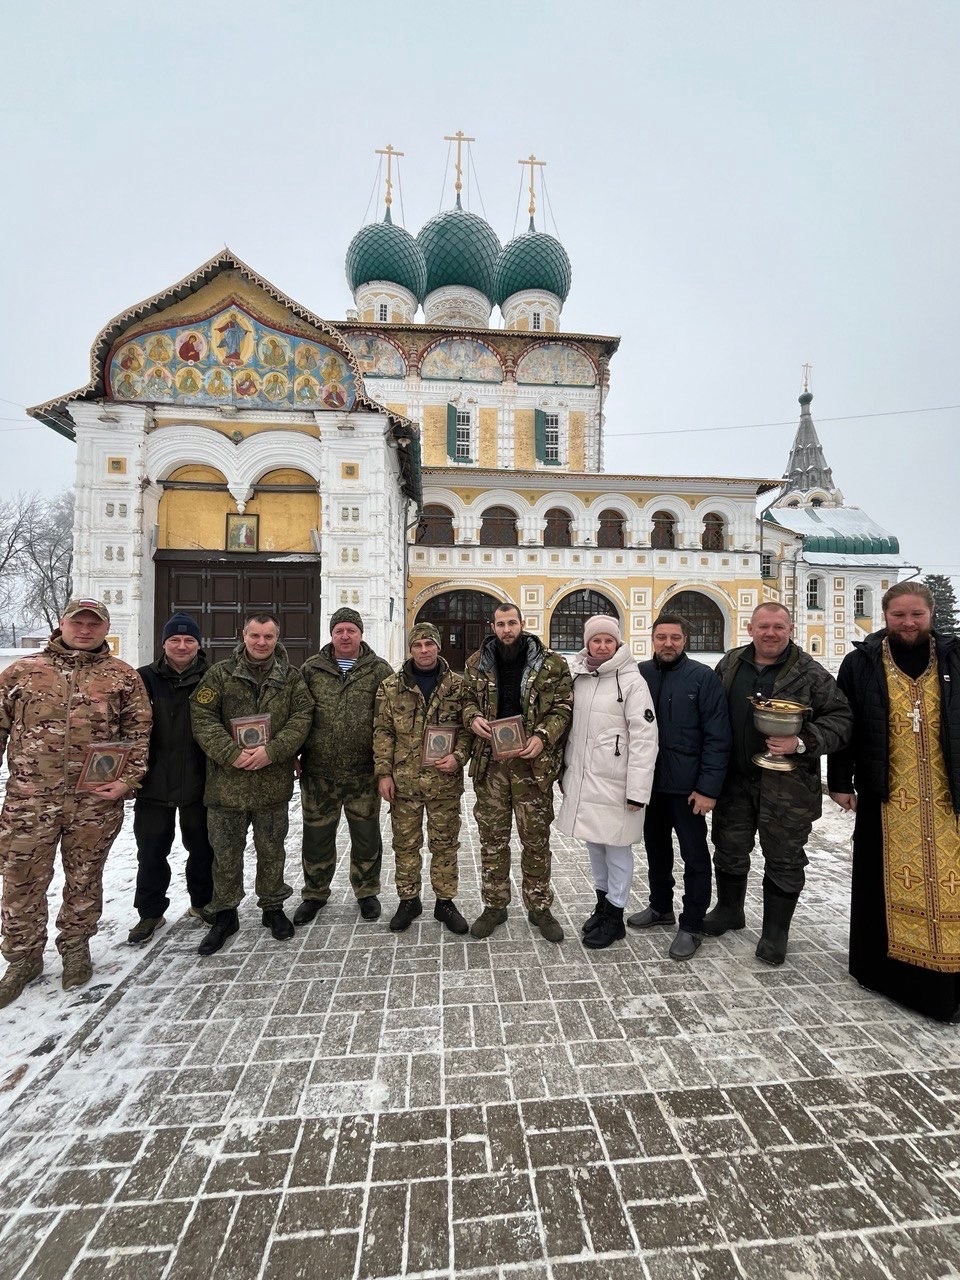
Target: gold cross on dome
[[459, 138], [389, 152], [533, 162]]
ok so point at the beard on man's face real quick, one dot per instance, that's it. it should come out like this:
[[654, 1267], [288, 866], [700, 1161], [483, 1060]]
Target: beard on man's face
[[510, 651]]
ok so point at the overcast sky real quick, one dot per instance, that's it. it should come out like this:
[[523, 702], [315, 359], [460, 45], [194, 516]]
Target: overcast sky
[[741, 187]]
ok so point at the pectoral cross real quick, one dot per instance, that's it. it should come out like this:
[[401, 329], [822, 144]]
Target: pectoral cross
[[459, 138], [915, 716], [389, 152]]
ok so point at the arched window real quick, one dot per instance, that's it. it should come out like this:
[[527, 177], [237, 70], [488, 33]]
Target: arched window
[[863, 602], [814, 593], [664, 536], [557, 531], [566, 625], [704, 617], [712, 537], [610, 533], [436, 527], [498, 527], [816, 502], [815, 645]]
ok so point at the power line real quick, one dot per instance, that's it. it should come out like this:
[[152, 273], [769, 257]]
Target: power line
[[790, 422]]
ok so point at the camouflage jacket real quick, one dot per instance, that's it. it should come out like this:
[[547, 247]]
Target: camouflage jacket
[[399, 725], [227, 691], [340, 745], [546, 697], [54, 706]]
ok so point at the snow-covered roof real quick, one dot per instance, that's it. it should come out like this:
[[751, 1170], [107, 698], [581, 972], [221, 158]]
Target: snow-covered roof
[[836, 531]]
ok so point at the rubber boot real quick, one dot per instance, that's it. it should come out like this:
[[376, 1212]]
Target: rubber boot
[[778, 909], [728, 913], [593, 920]]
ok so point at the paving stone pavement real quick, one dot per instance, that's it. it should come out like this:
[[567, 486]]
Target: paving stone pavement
[[355, 1103]]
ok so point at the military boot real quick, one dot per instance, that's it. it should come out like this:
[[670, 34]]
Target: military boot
[[728, 913], [489, 919], [447, 913], [608, 931], [77, 966], [144, 930], [548, 924], [405, 914], [778, 909], [225, 923], [596, 915], [278, 922], [19, 974]]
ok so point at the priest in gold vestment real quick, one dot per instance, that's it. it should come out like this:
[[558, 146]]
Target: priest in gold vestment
[[901, 775]]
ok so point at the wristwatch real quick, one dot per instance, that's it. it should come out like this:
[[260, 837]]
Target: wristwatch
[[801, 747]]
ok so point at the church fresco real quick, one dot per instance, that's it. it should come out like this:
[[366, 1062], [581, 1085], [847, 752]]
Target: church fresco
[[376, 357], [466, 358], [554, 363], [230, 358]]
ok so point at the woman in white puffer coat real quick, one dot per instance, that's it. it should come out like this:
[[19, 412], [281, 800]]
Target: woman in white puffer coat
[[608, 769]]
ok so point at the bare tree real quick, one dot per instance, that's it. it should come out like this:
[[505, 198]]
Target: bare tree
[[17, 519], [46, 573]]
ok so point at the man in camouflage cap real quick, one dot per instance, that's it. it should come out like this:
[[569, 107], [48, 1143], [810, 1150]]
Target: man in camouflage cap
[[422, 696], [337, 768], [250, 785], [72, 696], [513, 674]]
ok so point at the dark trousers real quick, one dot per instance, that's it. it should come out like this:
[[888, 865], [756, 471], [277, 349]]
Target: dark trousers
[[665, 814], [154, 830], [777, 807]]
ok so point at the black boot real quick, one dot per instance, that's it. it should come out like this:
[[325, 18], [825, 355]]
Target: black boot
[[447, 913], [594, 919], [225, 923], [406, 913], [610, 929], [728, 913], [778, 909], [277, 921]]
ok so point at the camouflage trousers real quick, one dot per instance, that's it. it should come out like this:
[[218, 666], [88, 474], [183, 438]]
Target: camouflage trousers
[[227, 829], [30, 829], [323, 801], [443, 840], [509, 791], [782, 816]]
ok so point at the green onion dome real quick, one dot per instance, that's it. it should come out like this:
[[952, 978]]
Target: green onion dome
[[381, 251], [533, 260], [460, 249]]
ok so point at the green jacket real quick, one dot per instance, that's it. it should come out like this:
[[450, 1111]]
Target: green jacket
[[400, 722], [340, 744], [546, 700], [227, 691]]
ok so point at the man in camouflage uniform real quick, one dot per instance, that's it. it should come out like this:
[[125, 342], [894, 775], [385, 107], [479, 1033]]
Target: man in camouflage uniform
[[52, 708], [512, 673], [337, 768], [781, 806], [250, 785], [422, 695]]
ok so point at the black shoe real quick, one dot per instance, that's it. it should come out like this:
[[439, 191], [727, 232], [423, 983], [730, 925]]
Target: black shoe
[[609, 930], [596, 916], [778, 909], [446, 912], [728, 913], [278, 924], [647, 918], [684, 945], [369, 907], [307, 909], [225, 924], [404, 915]]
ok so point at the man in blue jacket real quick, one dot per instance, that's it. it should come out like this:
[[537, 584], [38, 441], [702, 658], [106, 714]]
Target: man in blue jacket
[[694, 727]]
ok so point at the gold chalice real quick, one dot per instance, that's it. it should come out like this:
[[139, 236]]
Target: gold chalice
[[776, 718]]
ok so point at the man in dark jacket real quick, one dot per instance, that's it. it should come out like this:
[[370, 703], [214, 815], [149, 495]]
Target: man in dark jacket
[[694, 729], [513, 674], [781, 806], [337, 768], [251, 784], [174, 782], [901, 776]]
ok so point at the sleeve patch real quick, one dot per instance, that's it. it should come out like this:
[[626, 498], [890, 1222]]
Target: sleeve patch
[[205, 697], [647, 715]]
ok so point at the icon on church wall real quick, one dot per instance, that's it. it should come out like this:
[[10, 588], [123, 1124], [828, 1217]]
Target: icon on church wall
[[462, 358], [274, 352], [556, 365], [243, 532], [159, 348], [217, 384], [306, 390], [376, 357], [132, 359], [188, 381], [245, 383], [191, 346]]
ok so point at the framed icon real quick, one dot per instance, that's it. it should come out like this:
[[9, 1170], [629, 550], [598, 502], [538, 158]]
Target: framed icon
[[103, 762], [438, 741], [250, 731], [243, 532], [509, 737]]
